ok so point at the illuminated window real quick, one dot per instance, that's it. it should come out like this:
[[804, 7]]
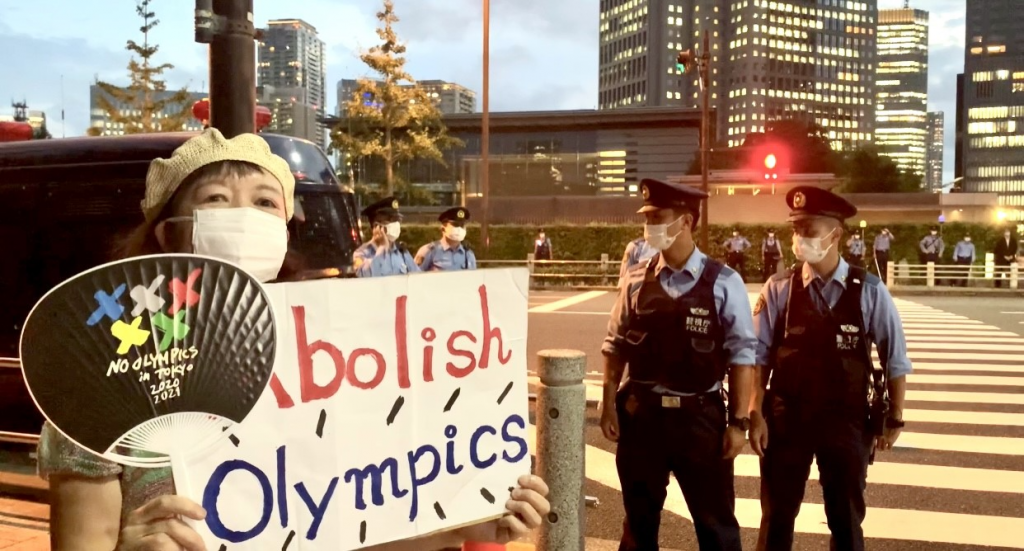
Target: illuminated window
[[997, 49]]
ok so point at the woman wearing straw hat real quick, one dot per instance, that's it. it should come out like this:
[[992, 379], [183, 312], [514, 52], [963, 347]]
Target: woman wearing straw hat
[[228, 199]]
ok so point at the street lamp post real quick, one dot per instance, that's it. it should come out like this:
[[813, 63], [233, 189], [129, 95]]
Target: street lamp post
[[701, 62], [227, 26], [485, 134]]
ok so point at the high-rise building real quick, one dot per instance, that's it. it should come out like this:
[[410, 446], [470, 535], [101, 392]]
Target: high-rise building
[[98, 117], [451, 98], [901, 88], [770, 60], [993, 101], [936, 137], [292, 62]]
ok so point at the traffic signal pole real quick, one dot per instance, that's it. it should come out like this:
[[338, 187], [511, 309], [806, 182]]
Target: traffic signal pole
[[705, 138], [227, 26]]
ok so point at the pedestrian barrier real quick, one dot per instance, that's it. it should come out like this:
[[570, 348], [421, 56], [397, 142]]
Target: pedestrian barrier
[[561, 414], [952, 275]]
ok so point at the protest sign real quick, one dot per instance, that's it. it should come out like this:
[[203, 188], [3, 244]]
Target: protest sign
[[398, 407], [144, 361]]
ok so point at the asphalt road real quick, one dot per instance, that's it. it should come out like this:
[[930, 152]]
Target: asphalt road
[[956, 479]]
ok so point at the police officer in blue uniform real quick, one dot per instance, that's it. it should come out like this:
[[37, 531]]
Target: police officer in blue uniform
[[637, 251], [819, 395], [855, 245], [735, 252], [384, 254], [681, 323], [964, 255], [450, 253]]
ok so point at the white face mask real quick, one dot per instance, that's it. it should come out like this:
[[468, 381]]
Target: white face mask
[[254, 240], [454, 233], [808, 249], [657, 235], [393, 230]]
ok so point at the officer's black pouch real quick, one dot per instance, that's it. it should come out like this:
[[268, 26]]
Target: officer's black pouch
[[878, 413]]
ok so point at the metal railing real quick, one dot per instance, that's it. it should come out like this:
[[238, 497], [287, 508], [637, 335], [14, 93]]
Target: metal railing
[[565, 273], [988, 275]]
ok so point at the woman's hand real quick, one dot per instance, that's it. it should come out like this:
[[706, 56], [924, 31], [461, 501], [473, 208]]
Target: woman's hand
[[526, 509], [156, 527]]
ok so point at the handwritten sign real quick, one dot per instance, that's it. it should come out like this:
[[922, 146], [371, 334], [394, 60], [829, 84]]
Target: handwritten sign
[[398, 407]]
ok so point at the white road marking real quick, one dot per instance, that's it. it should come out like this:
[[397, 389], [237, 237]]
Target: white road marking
[[568, 301]]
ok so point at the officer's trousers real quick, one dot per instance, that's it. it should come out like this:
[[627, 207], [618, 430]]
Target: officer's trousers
[[857, 260], [687, 442], [771, 266], [842, 447], [737, 262], [882, 264], [966, 263]]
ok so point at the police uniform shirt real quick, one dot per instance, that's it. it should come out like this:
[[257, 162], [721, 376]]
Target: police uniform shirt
[[882, 242], [964, 249], [857, 247], [439, 256], [637, 251], [882, 324], [371, 262], [731, 299], [932, 244], [737, 244]]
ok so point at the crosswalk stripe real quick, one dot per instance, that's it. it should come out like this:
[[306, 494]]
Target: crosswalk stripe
[[567, 302], [966, 366], [996, 445], [977, 347], [959, 338], [917, 355], [956, 332], [963, 417], [979, 380], [964, 397]]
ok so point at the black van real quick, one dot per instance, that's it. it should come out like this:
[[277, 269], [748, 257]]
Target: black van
[[64, 203]]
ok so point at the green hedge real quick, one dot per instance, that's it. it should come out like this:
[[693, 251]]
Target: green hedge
[[590, 242]]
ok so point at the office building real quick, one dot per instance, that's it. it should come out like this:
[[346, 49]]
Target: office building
[[292, 62], [770, 60], [450, 98], [901, 88], [936, 148], [99, 119], [993, 101], [289, 115]]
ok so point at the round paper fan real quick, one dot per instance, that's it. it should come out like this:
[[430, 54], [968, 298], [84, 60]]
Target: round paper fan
[[152, 358]]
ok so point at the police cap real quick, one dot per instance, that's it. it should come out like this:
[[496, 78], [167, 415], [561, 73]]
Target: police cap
[[809, 201], [387, 206], [665, 195], [456, 214]]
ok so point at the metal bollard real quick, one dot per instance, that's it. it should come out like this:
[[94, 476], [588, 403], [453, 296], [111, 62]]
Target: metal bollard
[[561, 414]]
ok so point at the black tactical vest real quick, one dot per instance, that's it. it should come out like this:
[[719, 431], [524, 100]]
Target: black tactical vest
[[821, 361], [677, 343]]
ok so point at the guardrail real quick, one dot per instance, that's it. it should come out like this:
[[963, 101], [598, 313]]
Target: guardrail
[[567, 273], [952, 275]]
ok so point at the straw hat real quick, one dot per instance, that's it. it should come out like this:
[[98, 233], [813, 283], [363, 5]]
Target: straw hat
[[166, 175]]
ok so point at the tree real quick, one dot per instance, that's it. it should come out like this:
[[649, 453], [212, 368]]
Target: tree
[[391, 118], [867, 171], [140, 106]]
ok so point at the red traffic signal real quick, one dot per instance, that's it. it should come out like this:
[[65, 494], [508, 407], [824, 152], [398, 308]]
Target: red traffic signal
[[771, 161]]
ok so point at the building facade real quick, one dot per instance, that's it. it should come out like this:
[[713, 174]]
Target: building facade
[[770, 60], [901, 88], [292, 70], [993, 102], [936, 149], [451, 98], [98, 117]]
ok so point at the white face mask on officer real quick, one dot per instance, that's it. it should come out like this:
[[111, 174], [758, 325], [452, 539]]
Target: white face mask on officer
[[254, 240], [657, 235], [454, 233], [393, 230], [808, 249]]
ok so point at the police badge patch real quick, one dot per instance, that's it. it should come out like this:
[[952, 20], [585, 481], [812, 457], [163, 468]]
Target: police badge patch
[[761, 303]]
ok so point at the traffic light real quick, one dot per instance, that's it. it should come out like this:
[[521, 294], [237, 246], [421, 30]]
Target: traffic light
[[685, 61], [770, 161]]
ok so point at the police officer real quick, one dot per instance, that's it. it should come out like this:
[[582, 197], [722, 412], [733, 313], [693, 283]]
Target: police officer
[[855, 246], [637, 251], [883, 242], [383, 255], [735, 247], [815, 325], [542, 249], [681, 322], [932, 246], [771, 254], [964, 255], [449, 253]]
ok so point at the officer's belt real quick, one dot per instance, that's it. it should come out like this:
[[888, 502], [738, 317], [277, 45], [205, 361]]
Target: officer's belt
[[663, 391]]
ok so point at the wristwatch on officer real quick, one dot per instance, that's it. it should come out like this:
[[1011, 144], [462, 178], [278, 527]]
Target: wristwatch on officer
[[742, 423], [894, 423]]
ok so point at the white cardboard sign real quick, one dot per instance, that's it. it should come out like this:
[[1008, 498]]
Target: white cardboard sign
[[398, 408]]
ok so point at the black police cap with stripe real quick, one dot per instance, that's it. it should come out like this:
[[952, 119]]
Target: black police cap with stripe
[[809, 202], [455, 214], [387, 206], [665, 195]]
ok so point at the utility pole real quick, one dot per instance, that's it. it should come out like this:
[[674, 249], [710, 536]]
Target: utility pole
[[227, 26], [485, 134], [687, 61]]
